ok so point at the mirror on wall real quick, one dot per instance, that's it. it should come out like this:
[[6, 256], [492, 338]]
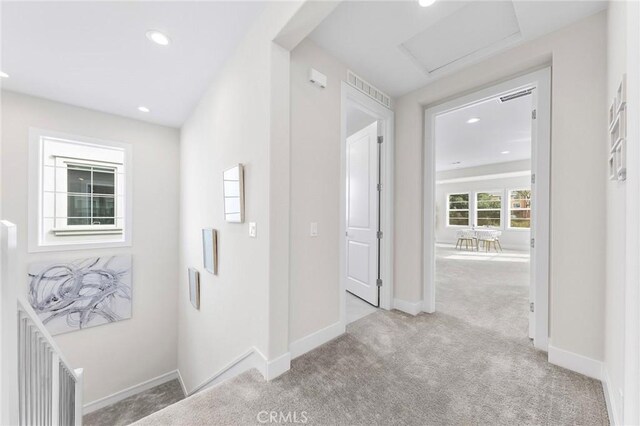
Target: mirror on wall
[[233, 180]]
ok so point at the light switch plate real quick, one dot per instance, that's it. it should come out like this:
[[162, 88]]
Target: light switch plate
[[253, 229], [313, 229]]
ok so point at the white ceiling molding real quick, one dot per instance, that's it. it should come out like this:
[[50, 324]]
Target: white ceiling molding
[[485, 177]]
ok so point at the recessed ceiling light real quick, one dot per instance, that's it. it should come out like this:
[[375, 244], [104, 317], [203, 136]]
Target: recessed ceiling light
[[426, 3], [473, 120], [4, 74], [158, 37], [455, 163], [143, 109], [505, 152]]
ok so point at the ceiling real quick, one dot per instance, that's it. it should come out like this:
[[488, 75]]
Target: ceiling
[[502, 127], [399, 46], [96, 54]]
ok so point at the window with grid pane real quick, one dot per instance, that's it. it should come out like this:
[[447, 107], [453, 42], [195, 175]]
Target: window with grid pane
[[489, 209], [520, 208], [80, 188], [458, 209]]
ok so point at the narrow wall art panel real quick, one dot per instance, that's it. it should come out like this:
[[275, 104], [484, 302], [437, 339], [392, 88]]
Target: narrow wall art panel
[[194, 287], [75, 294]]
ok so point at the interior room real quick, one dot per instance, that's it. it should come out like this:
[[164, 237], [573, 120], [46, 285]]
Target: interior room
[[329, 212], [483, 204]]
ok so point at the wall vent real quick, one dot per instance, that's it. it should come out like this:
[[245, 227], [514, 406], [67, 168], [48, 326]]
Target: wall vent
[[515, 95], [368, 89]]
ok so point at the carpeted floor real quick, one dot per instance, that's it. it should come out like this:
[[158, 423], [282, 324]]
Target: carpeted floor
[[137, 406], [470, 363]]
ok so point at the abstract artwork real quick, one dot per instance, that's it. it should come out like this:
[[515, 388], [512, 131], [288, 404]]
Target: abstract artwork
[[71, 295], [233, 192]]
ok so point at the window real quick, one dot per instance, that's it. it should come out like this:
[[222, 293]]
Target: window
[[77, 192], [520, 208], [458, 209], [489, 209]]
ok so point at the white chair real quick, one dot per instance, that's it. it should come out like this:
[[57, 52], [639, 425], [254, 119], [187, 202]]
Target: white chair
[[488, 238], [465, 237]]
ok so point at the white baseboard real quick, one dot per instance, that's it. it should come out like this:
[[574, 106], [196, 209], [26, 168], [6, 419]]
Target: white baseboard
[[411, 308], [609, 397], [575, 362], [274, 368], [130, 391], [312, 341]]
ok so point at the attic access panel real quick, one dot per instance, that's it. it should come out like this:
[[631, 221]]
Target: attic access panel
[[478, 28]]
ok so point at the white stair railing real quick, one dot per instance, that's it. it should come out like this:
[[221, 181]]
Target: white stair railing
[[38, 386]]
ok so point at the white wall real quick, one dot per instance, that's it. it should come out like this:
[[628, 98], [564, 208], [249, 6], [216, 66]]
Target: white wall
[[119, 355], [621, 338], [315, 191], [511, 238], [242, 118], [578, 56]]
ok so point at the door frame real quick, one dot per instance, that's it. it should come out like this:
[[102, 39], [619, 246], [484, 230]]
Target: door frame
[[353, 97], [540, 166]]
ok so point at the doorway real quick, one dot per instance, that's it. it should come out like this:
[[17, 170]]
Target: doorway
[[366, 205], [478, 209]]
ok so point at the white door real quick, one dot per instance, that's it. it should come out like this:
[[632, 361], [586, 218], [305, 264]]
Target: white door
[[362, 214]]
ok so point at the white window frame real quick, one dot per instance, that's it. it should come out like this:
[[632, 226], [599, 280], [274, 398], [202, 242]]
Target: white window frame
[[509, 210], [476, 209], [469, 211], [43, 238]]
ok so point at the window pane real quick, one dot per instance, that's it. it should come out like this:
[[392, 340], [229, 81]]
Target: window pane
[[78, 206], [103, 182], [78, 180], [488, 222], [489, 214], [520, 223], [520, 199], [459, 214], [520, 214], [77, 221], [489, 201], [458, 201], [103, 207], [462, 222]]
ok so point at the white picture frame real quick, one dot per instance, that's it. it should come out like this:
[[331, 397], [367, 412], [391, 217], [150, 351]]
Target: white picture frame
[[210, 250], [194, 287], [233, 193]]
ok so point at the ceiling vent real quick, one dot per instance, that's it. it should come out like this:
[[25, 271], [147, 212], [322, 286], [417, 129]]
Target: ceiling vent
[[473, 31], [368, 89], [515, 95]]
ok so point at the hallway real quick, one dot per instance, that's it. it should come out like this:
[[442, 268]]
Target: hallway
[[469, 363]]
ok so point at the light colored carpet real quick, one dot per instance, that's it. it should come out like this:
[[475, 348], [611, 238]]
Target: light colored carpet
[[137, 406], [357, 308], [467, 364]]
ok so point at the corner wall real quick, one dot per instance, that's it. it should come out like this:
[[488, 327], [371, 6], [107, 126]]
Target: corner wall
[[125, 353], [578, 57]]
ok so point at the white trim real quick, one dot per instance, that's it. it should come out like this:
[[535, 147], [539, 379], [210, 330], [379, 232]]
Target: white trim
[[34, 204], [313, 340], [130, 391], [540, 165], [411, 308], [351, 95], [272, 369], [484, 177], [609, 397], [575, 362]]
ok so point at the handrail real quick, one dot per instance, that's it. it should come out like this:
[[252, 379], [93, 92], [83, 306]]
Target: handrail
[[37, 384]]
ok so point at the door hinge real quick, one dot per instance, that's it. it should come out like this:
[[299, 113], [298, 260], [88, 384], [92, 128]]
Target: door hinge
[[533, 243], [379, 235], [380, 139], [379, 282], [379, 187], [533, 178], [534, 114], [531, 307]]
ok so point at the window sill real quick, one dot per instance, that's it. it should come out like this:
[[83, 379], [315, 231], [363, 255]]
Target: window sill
[[87, 231]]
